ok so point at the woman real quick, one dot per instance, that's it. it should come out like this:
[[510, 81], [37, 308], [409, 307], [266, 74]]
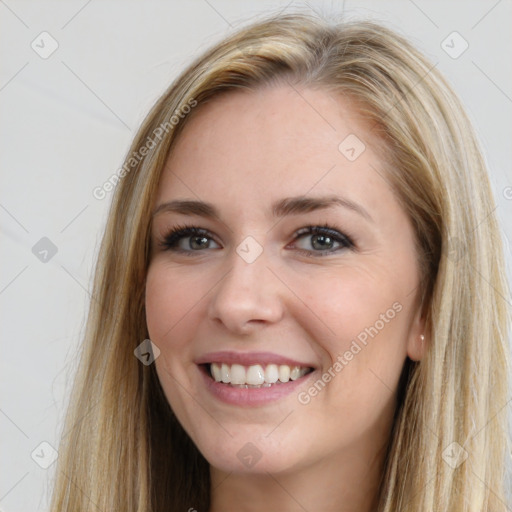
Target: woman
[[304, 230]]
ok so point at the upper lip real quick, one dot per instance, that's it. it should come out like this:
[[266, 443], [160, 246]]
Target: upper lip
[[249, 358]]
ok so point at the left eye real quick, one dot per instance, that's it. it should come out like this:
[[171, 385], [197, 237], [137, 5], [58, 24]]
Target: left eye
[[323, 240]]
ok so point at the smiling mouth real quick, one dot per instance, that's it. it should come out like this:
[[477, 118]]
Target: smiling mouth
[[254, 376]]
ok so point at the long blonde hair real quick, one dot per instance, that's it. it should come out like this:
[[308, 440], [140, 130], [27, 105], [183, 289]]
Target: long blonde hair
[[123, 449]]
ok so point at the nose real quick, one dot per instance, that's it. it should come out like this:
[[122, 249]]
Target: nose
[[247, 296]]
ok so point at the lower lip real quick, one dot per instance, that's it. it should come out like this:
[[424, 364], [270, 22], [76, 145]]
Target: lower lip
[[251, 396]]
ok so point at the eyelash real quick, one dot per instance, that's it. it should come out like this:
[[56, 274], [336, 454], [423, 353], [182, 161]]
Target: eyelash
[[178, 232]]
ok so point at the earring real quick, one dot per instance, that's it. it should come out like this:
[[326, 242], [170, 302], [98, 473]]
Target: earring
[[422, 338]]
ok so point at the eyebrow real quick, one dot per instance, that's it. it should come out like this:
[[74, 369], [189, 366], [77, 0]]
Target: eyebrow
[[281, 208]]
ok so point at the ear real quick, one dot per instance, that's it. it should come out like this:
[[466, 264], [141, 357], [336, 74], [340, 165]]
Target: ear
[[418, 337]]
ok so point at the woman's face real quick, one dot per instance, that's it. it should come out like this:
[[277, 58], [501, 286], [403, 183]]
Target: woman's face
[[254, 297]]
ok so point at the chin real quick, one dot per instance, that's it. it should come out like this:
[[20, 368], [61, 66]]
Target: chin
[[251, 453]]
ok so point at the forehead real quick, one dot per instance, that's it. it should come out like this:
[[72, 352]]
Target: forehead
[[260, 145]]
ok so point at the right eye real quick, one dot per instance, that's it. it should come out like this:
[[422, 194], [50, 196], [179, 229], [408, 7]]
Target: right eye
[[187, 239]]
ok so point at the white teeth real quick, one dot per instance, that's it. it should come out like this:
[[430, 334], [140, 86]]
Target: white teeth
[[284, 373], [255, 375], [295, 373], [271, 373], [225, 373], [237, 374], [216, 373]]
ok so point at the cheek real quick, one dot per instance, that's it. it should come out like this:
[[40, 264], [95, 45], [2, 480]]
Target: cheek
[[170, 300], [362, 321], [347, 302]]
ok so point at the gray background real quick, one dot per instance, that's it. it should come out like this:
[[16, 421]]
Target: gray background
[[66, 124]]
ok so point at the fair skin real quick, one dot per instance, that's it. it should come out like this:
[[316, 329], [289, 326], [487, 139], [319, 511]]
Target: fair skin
[[242, 153]]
